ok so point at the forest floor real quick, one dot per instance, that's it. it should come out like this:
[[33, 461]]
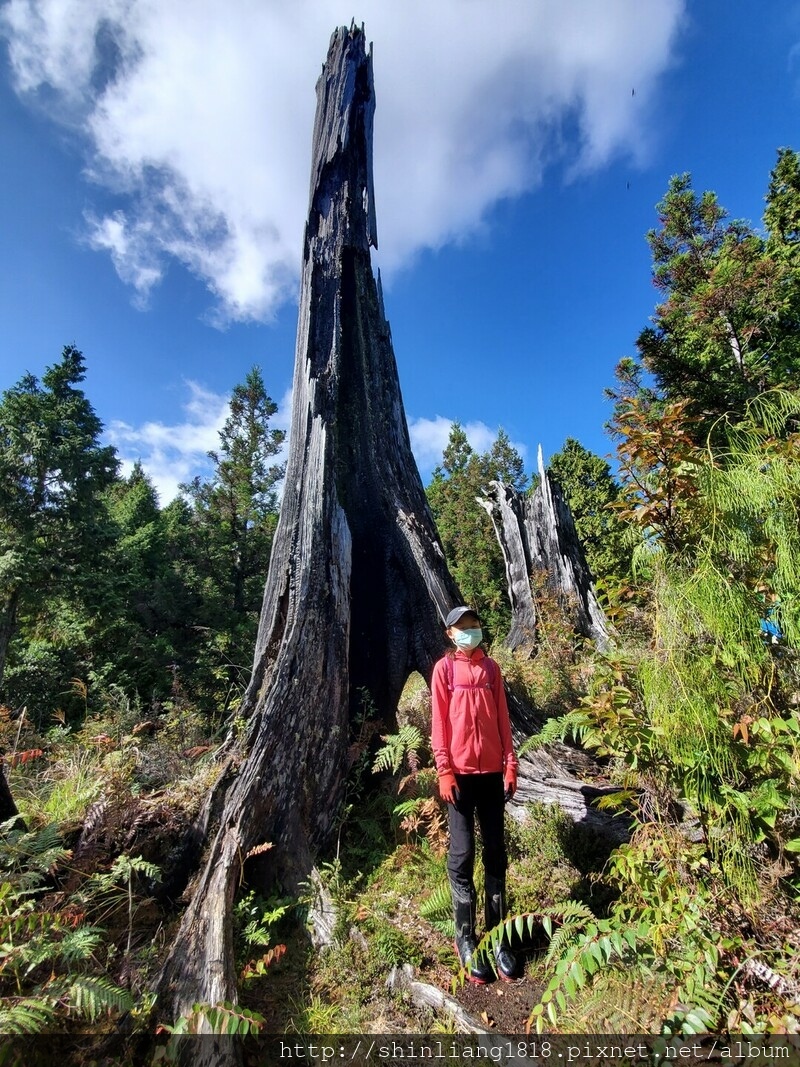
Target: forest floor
[[100, 815], [501, 1007], [398, 915]]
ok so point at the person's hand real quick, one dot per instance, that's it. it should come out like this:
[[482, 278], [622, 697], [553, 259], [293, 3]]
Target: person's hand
[[510, 782], [448, 789]]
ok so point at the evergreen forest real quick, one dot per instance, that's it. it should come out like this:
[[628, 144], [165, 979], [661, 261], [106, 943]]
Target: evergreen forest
[[127, 631]]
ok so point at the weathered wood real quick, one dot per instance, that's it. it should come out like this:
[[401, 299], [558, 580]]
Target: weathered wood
[[537, 534], [357, 584], [544, 780], [322, 917], [401, 981], [785, 987], [506, 508]]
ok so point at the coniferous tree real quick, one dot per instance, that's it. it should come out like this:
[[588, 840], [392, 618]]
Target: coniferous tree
[[590, 490], [53, 521], [782, 219], [470, 545], [235, 514], [726, 329], [706, 418], [782, 214], [145, 624]]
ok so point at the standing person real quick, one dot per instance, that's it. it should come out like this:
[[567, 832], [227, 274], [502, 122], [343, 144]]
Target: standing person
[[477, 768]]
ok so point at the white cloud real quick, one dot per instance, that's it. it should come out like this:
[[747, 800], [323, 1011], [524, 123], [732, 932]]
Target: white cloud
[[131, 250], [429, 439], [198, 115], [175, 454]]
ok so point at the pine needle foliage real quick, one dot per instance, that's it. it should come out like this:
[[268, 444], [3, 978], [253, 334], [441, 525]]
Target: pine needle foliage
[[705, 709]]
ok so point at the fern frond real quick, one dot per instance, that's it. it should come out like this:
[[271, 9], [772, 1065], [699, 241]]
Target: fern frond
[[620, 1002], [31, 854], [124, 866], [571, 911], [25, 1016], [92, 996], [573, 917], [622, 799], [408, 807], [409, 784], [397, 747], [256, 934], [439, 905], [80, 944], [581, 957]]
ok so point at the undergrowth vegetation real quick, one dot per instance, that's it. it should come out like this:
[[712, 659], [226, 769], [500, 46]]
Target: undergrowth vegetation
[[660, 934], [697, 721], [82, 897]]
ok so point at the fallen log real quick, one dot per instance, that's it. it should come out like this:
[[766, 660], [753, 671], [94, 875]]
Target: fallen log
[[401, 982]]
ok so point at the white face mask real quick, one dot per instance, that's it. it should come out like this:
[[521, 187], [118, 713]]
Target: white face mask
[[466, 640]]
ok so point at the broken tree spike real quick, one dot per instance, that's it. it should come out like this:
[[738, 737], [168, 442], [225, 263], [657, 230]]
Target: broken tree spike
[[357, 586], [537, 534]]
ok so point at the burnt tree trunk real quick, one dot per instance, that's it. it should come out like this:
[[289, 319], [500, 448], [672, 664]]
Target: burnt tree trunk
[[8, 626], [8, 808], [357, 584], [537, 535]]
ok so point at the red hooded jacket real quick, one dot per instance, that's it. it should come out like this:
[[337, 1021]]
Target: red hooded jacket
[[471, 730]]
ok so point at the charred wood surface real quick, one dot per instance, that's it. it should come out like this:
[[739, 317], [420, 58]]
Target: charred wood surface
[[357, 584], [8, 808]]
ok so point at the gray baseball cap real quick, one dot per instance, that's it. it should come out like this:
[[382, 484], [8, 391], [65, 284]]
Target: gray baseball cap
[[458, 613]]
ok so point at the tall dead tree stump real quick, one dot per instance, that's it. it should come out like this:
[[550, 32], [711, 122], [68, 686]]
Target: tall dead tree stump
[[357, 585]]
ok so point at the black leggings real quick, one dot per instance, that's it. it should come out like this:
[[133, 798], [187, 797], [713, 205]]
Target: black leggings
[[480, 794]]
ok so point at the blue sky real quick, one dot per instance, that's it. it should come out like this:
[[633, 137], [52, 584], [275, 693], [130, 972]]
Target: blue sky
[[156, 179]]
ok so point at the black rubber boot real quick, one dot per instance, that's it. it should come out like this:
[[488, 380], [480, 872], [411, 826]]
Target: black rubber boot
[[478, 970], [504, 958]]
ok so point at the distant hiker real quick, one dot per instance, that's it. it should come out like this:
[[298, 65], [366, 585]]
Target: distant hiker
[[477, 767]]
